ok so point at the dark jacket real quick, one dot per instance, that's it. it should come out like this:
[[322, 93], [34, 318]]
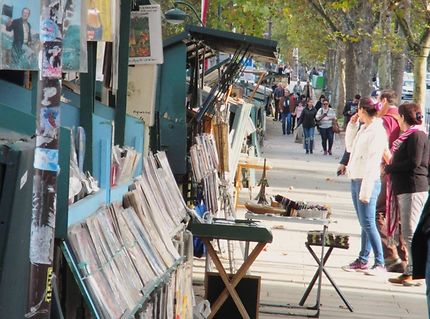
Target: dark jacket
[[409, 167], [18, 32], [419, 243], [307, 118]]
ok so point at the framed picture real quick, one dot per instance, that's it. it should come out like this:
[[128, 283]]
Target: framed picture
[[145, 36]]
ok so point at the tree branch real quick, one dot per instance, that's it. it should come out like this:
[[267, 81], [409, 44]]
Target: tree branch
[[404, 25], [320, 9]]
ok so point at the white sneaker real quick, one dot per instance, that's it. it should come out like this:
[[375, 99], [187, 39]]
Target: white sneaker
[[376, 270]]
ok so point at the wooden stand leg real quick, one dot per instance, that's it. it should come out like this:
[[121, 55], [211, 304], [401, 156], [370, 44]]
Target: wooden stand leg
[[230, 285]]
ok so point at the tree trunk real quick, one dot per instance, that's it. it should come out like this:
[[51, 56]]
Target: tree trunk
[[341, 82], [420, 71], [384, 61], [397, 69], [350, 72], [331, 71], [364, 64]]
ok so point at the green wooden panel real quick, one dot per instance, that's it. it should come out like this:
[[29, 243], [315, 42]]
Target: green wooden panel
[[171, 107], [63, 185], [242, 230], [17, 121]]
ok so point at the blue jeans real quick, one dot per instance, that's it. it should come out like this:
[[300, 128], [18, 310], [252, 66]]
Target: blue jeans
[[286, 119], [309, 133], [366, 213], [326, 135]]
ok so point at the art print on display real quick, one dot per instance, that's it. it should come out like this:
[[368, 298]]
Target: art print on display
[[51, 93], [51, 60], [19, 34], [49, 119], [145, 36], [23, 26], [99, 26]]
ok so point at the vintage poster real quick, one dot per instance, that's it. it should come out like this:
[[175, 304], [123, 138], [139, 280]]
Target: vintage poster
[[75, 37], [19, 34], [145, 36], [99, 20], [23, 26]]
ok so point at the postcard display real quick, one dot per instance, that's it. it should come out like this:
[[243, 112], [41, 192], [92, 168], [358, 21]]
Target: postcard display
[[125, 253]]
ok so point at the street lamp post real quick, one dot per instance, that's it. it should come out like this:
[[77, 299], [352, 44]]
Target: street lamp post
[[177, 16]]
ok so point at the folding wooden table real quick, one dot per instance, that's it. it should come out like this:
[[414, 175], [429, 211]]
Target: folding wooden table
[[240, 230], [321, 260]]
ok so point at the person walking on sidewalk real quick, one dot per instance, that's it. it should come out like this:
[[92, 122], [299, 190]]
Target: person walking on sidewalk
[[279, 100], [366, 144], [286, 114], [308, 91], [407, 184], [325, 116], [396, 255], [307, 120]]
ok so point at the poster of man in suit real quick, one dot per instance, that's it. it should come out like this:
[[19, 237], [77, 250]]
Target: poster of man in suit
[[19, 37]]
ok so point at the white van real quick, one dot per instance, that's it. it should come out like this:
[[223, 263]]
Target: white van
[[407, 89]]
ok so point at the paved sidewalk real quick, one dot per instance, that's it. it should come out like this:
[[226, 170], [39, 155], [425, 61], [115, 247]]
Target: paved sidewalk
[[286, 266]]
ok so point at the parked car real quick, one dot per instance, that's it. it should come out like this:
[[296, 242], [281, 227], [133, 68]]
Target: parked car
[[407, 89]]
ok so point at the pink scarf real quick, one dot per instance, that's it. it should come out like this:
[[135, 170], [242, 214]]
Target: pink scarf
[[392, 206]]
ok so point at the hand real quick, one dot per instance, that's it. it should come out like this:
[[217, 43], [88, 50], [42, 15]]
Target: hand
[[364, 201], [354, 118], [341, 170]]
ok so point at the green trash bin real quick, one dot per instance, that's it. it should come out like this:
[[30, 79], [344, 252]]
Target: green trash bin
[[318, 82]]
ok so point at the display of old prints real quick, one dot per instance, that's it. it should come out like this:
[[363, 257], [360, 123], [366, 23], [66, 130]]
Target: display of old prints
[[120, 250], [23, 26], [145, 36]]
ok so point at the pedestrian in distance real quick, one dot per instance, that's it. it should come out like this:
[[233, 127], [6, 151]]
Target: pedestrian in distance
[[320, 102], [366, 144], [307, 120], [308, 91], [279, 100], [286, 114], [350, 109], [325, 117], [297, 89], [407, 184]]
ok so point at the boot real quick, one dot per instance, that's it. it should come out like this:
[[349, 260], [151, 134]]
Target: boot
[[307, 146], [311, 146]]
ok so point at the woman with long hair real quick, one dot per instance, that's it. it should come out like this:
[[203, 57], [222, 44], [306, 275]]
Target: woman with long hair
[[325, 116], [366, 141], [407, 184]]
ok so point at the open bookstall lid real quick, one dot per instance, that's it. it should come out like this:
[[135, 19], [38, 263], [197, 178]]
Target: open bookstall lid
[[229, 42]]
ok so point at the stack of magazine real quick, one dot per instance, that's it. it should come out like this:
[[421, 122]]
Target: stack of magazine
[[123, 250], [204, 163]]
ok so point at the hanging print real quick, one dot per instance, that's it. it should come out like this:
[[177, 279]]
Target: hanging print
[[145, 36], [23, 26]]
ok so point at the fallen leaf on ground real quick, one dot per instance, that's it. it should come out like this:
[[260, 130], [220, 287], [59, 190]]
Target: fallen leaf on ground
[[278, 227]]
